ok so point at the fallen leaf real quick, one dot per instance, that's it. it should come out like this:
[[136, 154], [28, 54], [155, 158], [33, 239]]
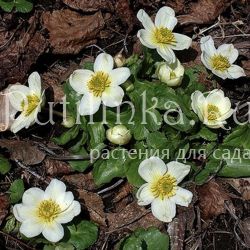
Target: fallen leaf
[[24, 151], [55, 167], [212, 197], [204, 11], [242, 186], [245, 225], [94, 205], [125, 13], [4, 206], [8, 113], [132, 217], [123, 192], [246, 67], [90, 5], [70, 32]]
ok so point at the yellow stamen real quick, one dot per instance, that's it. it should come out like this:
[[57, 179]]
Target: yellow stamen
[[48, 211], [213, 112], [172, 75], [165, 186], [98, 83], [164, 36], [30, 104], [220, 62]]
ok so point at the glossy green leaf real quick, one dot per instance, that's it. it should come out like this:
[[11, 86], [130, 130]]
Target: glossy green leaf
[[97, 134], [4, 165], [67, 136], [16, 191]]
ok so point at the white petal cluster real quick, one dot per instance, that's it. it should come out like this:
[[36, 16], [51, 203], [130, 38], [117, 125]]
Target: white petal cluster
[[212, 110], [220, 61], [27, 100], [160, 189], [171, 74], [102, 85], [160, 36], [45, 211], [119, 135]]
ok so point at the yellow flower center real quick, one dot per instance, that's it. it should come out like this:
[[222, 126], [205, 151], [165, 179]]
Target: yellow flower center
[[164, 36], [172, 75], [48, 211], [98, 83], [213, 112], [165, 186], [30, 104], [220, 62]]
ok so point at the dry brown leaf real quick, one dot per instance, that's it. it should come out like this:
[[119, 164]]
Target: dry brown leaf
[[24, 151], [132, 217], [125, 13], [242, 186], [212, 197], [7, 114], [124, 191], [94, 205], [4, 206], [21, 52], [90, 5], [245, 224], [204, 11], [246, 67], [55, 167], [70, 32]]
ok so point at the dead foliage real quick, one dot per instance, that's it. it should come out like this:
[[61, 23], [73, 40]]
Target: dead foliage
[[4, 206], [24, 151], [55, 167], [242, 186], [212, 197], [70, 32]]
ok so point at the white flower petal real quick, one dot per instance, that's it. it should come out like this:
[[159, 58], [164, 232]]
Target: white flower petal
[[67, 215], [112, 97], [222, 74], [55, 190], [21, 122], [144, 195], [32, 196], [197, 104], [119, 75], [22, 212], [145, 20], [17, 93], [65, 200], [167, 54], [31, 228], [151, 168], [207, 45], [183, 197], [178, 170], [53, 232], [34, 81], [165, 17], [226, 115], [235, 72], [146, 38], [182, 42], [89, 104], [104, 62], [228, 51], [78, 80], [205, 58], [163, 210]]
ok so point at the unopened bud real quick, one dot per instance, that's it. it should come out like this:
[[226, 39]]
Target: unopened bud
[[119, 135], [119, 59], [69, 122]]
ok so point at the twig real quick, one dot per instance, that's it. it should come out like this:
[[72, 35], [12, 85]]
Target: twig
[[237, 35], [111, 187], [96, 46]]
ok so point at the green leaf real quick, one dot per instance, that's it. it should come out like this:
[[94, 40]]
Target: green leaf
[[23, 6], [67, 136], [206, 134], [7, 6], [83, 235], [149, 239], [105, 170], [131, 169], [16, 191], [97, 134], [4, 165], [59, 246], [88, 65], [239, 137]]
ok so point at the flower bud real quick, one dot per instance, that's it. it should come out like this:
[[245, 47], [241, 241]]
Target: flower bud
[[171, 74], [69, 122], [119, 59], [119, 135]]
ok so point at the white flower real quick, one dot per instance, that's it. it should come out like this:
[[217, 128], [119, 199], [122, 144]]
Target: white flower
[[220, 61], [159, 35], [171, 74], [28, 100], [119, 135], [102, 85], [45, 211], [161, 190], [212, 110]]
